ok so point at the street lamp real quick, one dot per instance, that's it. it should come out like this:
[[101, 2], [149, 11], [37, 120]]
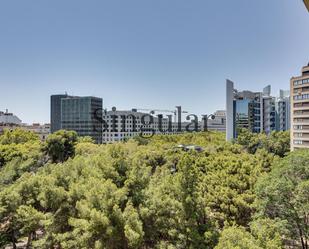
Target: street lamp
[[205, 119], [306, 2]]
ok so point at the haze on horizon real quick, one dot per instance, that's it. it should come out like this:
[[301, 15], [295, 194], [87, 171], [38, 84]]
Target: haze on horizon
[[146, 54]]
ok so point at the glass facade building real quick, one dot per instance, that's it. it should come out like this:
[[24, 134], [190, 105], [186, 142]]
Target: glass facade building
[[80, 114], [55, 111], [247, 114], [255, 111]]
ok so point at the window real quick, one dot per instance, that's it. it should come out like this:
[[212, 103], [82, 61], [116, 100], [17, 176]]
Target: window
[[298, 142]]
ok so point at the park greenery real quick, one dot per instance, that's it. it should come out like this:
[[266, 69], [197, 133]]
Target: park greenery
[[69, 192]]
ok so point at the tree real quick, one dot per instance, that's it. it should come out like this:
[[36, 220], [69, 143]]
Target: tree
[[85, 139], [284, 194], [237, 238], [263, 234], [277, 143], [132, 196], [29, 220], [61, 145], [18, 136]]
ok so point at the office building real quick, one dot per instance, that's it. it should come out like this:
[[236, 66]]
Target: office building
[[122, 125], [55, 111], [269, 114], [244, 110], [254, 111], [283, 111], [300, 110], [80, 114]]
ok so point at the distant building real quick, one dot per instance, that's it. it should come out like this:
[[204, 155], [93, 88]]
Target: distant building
[[283, 111], [9, 118], [55, 111], [269, 114], [218, 123], [300, 110], [80, 114], [255, 111], [8, 121], [122, 125], [42, 130]]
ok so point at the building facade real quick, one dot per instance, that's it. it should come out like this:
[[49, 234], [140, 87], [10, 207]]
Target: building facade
[[218, 123], [8, 121], [42, 130], [55, 111], [122, 125], [80, 114], [300, 110], [254, 111], [283, 116], [269, 114]]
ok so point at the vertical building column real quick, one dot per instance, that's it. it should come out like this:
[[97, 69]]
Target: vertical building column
[[229, 110], [292, 114]]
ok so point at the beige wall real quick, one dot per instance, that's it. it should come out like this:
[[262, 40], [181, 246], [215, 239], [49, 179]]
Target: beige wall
[[292, 87]]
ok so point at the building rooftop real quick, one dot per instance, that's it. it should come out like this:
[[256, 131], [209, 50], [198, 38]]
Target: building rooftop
[[305, 70], [9, 118]]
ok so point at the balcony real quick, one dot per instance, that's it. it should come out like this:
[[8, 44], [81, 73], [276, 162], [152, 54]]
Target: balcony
[[301, 115]]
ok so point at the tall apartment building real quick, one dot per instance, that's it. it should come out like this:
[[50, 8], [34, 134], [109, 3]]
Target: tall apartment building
[[300, 110], [255, 111], [80, 114]]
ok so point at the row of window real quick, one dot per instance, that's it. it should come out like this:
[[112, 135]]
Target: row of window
[[298, 142], [301, 112], [300, 82], [300, 97], [301, 127]]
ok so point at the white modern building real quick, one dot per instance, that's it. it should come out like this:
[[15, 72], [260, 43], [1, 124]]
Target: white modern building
[[122, 125]]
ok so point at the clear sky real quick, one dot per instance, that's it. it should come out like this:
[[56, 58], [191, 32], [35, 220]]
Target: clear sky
[[146, 53]]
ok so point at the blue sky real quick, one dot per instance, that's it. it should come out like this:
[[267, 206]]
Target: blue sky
[[146, 53]]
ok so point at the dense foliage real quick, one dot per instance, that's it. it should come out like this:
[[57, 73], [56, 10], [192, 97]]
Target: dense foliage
[[68, 192]]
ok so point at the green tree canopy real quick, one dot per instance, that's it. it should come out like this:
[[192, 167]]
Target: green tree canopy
[[61, 145]]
